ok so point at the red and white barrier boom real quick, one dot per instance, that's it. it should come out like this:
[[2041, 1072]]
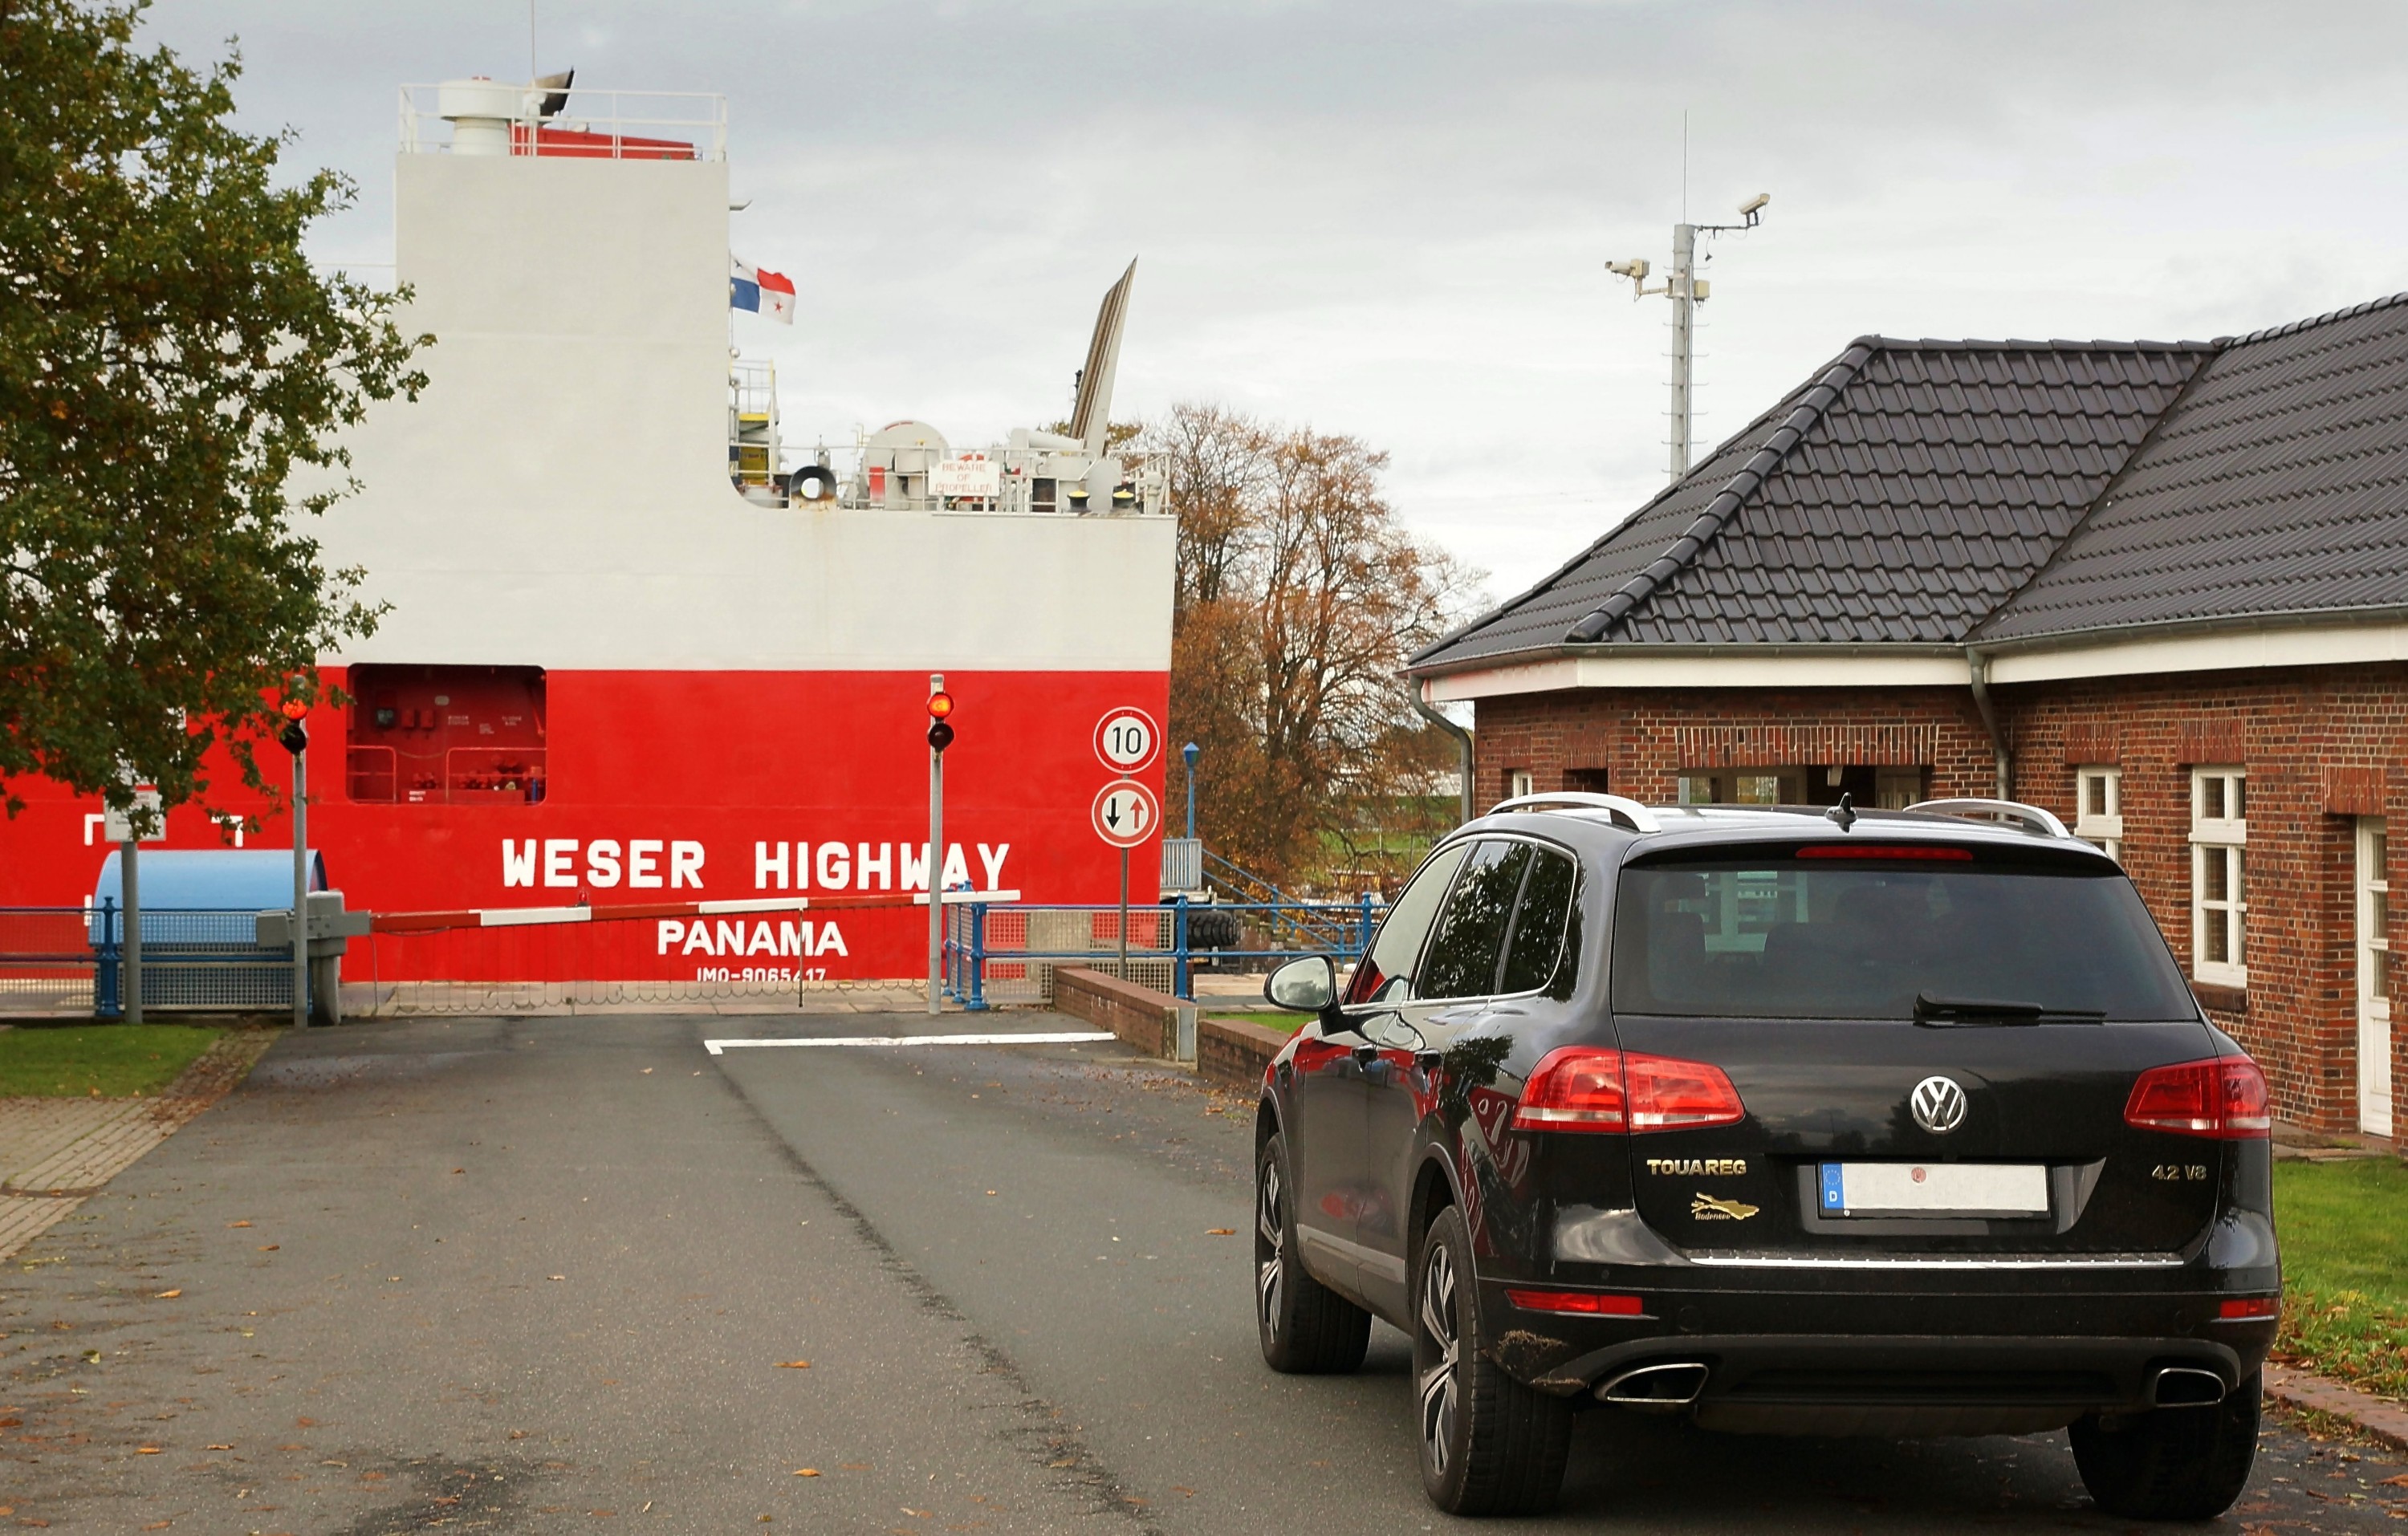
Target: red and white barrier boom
[[515, 917]]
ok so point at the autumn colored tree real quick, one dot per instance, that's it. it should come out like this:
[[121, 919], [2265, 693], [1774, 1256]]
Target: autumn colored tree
[[168, 361], [1299, 596]]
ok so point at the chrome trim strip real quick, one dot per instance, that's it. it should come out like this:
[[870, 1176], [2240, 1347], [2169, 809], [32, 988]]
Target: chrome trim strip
[[1940, 1261]]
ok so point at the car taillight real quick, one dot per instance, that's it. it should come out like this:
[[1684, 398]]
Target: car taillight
[[1669, 1095], [2223, 1096], [1575, 1088], [1588, 1087], [2247, 1307]]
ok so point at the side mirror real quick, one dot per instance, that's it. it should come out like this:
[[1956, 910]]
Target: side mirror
[[1309, 985]]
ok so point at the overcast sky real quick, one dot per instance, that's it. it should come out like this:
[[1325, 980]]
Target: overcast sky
[[1390, 216]]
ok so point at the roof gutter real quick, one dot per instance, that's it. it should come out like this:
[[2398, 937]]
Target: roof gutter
[[1977, 667], [1719, 649], [2241, 624], [1419, 688]]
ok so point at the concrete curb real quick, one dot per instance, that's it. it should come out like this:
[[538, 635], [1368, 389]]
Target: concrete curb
[[2379, 1417]]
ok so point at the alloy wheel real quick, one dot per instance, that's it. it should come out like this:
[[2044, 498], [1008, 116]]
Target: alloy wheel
[[1438, 1386], [1270, 1228]]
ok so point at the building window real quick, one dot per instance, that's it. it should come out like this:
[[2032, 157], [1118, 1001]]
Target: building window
[[1517, 783], [1896, 788], [1747, 786], [2098, 807], [2219, 903]]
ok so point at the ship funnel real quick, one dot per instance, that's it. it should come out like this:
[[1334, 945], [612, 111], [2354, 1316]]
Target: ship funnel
[[1091, 413]]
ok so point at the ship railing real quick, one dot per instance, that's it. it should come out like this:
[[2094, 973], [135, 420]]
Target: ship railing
[[1008, 954], [595, 124]]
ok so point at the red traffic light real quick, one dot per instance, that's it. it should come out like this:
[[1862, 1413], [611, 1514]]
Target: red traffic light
[[940, 704]]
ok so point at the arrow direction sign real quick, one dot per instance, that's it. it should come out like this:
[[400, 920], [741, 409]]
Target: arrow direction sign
[[1125, 813]]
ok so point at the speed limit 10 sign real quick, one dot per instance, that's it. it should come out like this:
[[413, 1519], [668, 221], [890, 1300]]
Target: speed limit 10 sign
[[1127, 738]]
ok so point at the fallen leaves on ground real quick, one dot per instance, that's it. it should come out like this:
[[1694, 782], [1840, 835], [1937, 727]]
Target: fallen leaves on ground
[[1219, 1231], [807, 1471], [794, 1365], [271, 1247], [146, 1450], [170, 1296], [555, 1277], [237, 1224]]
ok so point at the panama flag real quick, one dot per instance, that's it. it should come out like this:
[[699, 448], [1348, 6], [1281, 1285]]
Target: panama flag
[[763, 293]]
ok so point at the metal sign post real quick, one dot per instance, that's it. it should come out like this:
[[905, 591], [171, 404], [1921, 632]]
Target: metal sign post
[[1125, 814], [131, 868], [301, 889], [940, 735]]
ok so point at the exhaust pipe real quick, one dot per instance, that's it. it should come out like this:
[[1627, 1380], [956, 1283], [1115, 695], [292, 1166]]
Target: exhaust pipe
[[1665, 1387], [2188, 1386]]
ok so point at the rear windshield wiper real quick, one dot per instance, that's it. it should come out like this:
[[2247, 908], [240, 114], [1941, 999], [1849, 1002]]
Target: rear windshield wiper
[[1954, 1012]]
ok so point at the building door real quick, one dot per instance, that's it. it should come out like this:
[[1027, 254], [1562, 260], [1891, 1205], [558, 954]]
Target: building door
[[2373, 979]]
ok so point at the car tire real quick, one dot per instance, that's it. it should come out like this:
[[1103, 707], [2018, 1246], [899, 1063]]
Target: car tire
[[1307, 1329], [1489, 1445], [2170, 1463]]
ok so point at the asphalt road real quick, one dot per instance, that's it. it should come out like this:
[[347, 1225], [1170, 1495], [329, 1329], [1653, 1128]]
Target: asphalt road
[[547, 1275]]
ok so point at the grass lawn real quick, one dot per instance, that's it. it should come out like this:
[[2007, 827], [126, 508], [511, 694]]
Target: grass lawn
[[2345, 1229], [1286, 1023], [112, 1060]]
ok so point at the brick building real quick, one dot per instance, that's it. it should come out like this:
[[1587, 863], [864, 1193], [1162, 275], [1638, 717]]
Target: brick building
[[2161, 589]]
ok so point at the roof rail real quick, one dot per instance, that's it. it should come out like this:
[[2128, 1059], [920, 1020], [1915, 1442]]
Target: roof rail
[[1639, 817], [2032, 817]]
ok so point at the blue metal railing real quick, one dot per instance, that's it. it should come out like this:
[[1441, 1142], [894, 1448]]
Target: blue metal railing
[[54, 959], [982, 938]]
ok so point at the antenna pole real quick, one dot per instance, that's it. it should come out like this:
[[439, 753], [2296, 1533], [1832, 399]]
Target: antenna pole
[[1683, 292]]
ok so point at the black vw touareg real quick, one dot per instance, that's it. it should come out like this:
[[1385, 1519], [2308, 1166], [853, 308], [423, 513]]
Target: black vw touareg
[[1791, 1121]]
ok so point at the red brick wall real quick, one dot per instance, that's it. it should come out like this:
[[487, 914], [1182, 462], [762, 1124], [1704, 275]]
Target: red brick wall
[[1644, 737], [2319, 745]]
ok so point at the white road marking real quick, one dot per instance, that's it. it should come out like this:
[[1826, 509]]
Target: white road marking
[[1065, 1038]]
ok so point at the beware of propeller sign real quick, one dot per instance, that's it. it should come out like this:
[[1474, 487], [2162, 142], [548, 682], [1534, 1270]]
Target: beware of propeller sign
[[1125, 812]]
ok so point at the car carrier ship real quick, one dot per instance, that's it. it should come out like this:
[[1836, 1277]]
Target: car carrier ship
[[630, 654]]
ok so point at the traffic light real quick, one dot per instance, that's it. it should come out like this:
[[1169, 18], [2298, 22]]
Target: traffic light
[[941, 733], [294, 739]]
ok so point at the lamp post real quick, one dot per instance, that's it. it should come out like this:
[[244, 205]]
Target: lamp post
[[1188, 755]]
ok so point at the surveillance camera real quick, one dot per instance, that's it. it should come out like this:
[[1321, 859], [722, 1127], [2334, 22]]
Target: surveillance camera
[[1755, 203], [1635, 269]]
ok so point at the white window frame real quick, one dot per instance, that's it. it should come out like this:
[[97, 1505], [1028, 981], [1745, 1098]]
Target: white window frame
[[2222, 837], [1518, 782], [2372, 881], [2103, 827]]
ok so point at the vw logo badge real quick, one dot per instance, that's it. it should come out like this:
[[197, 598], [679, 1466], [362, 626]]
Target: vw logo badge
[[1938, 1105]]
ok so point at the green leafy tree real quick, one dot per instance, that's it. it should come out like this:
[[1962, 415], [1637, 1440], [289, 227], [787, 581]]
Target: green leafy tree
[[172, 376]]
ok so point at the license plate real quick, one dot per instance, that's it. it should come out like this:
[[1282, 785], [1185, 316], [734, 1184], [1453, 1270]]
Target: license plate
[[1934, 1189]]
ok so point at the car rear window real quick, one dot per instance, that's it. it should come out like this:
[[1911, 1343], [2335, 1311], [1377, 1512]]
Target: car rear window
[[1779, 938]]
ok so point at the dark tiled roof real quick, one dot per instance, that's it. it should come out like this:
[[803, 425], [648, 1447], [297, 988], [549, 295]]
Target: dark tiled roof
[[2278, 483], [1934, 493], [1900, 496]]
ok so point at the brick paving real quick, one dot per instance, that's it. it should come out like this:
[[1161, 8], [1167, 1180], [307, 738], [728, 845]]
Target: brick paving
[[55, 1153]]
